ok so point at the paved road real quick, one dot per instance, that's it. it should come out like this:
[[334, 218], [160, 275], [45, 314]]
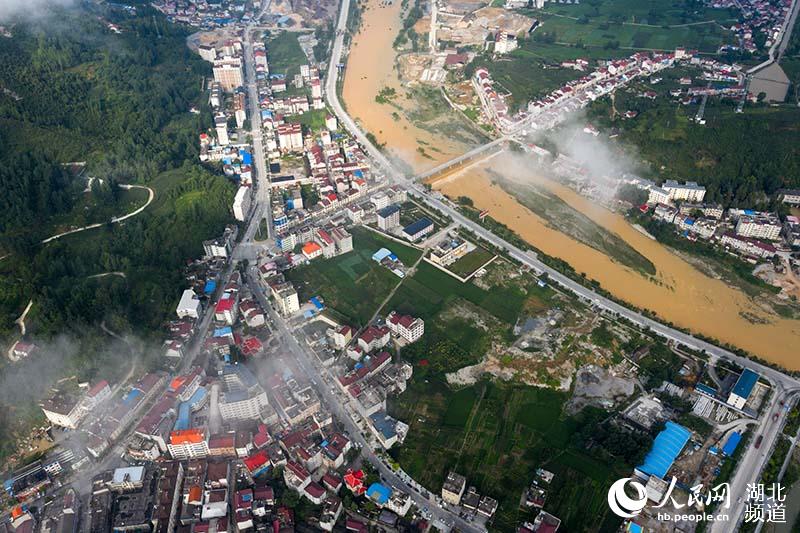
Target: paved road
[[261, 203], [308, 363], [753, 460]]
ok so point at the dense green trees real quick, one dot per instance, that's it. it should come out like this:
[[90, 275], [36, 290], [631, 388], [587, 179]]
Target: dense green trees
[[32, 185], [741, 158], [77, 92]]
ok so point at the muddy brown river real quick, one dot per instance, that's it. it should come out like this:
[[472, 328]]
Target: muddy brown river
[[370, 69], [680, 293]]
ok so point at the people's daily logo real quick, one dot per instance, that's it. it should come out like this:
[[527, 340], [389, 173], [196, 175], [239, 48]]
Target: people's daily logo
[[623, 505]]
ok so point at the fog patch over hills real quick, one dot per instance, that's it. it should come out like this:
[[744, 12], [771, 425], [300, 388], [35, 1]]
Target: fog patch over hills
[[28, 9]]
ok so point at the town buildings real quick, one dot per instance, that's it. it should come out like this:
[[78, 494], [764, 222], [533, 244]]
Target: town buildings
[[242, 203], [189, 305], [453, 488], [388, 217], [759, 226], [228, 72], [406, 327]]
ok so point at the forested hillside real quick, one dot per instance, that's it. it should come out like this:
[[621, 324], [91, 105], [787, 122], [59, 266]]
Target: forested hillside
[[73, 90]]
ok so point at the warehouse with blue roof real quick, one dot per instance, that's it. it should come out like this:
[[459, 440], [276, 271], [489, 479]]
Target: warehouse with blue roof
[[666, 448], [381, 254], [743, 389], [416, 230], [732, 443]]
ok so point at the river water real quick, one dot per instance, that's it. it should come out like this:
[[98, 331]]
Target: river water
[[370, 69], [680, 293]]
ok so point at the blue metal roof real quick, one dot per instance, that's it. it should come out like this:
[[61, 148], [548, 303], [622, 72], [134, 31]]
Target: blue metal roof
[[416, 227], [384, 423], [210, 287], [745, 383], [379, 493], [132, 396], [381, 254], [732, 443], [317, 303], [198, 397], [705, 389], [221, 332], [183, 420], [665, 450], [388, 210]]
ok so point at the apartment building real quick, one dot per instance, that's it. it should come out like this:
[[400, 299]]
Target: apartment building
[[406, 327], [228, 73], [760, 226], [689, 191], [188, 444]]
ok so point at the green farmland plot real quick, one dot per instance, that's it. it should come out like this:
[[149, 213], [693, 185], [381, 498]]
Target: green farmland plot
[[352, 284], [497, 434]]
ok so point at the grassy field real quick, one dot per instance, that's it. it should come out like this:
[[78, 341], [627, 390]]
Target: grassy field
[[313, 120], [353, 284], [284, 54], [471, 262], [639, 24], [497, 434], [430, 291]]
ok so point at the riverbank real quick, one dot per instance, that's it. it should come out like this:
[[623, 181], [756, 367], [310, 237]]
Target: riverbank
[[397, 118], [678, 292]]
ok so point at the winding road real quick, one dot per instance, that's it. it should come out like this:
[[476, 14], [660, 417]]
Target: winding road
[[114, 220]]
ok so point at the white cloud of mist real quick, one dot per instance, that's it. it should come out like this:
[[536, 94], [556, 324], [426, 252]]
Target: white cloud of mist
[[10, 9], [599, 156]]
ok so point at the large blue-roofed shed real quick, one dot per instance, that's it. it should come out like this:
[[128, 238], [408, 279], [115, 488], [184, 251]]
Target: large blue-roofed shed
[[743, 388], [732, 443], [381, 254], [418, 229], [665, 450]]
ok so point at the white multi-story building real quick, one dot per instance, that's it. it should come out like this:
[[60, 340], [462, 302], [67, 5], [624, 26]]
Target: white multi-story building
[[748, 246], [207, 52], [690, 191], [243, 398], [343, 240], [789, 196], [188, 444], [64, 409], [189, 306], [449, 250], [228, 73], [406, 327], [380, 200], [227, 309], [331, 123], [389, 217], [221, 127], [657, 195], [290, 137], [240, 109], [453, 488], [222, 246], [241, 203], [239, 406], [285, 297], [764, 226]]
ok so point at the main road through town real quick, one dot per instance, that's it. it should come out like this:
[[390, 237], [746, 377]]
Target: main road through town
[[310, 365], [753, 460]]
